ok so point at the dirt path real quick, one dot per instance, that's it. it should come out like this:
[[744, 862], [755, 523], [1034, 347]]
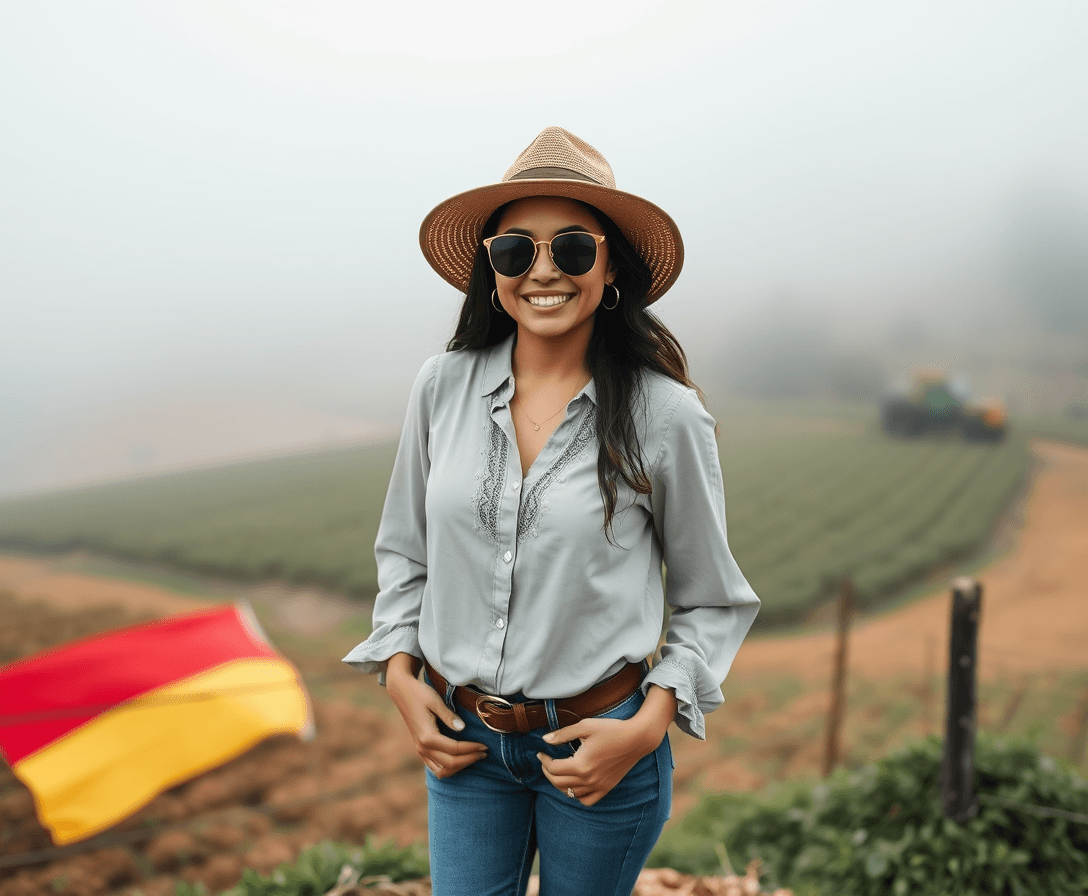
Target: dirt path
[[1035, 602]]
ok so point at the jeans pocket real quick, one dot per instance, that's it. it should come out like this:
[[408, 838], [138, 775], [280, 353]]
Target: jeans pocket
[[626, 709], [560, 751]]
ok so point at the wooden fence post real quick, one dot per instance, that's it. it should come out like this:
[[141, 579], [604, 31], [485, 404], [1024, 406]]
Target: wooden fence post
[[958, 765], [838, 676]]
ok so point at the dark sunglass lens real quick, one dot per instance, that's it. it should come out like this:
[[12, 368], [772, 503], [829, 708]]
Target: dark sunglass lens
[[511, 254], [574, 253]]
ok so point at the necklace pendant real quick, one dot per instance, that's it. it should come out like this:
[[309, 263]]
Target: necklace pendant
[[537, 428]]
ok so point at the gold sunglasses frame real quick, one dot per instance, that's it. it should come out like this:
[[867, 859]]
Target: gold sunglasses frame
[[536, 249]]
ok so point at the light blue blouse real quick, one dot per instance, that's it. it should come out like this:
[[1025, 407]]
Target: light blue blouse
[[512, 585]]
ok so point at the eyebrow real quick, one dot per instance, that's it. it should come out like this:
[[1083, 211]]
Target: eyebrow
[[572, 228]]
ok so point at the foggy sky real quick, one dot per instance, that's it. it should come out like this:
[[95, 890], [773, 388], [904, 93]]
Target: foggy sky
[[209, 210]]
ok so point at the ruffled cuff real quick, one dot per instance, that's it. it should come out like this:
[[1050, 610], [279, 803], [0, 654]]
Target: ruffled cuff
[[373, 654], [696, 694]]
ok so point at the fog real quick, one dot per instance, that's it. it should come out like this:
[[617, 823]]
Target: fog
[[209, 210]]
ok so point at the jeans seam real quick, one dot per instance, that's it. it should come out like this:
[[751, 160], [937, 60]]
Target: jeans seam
[[630, 845], [526, 867], [503, 743], [553, 718]]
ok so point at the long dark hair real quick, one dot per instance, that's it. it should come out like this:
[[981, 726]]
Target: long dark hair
[[625, 341]]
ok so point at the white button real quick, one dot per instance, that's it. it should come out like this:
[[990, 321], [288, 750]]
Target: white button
[[499, 624], [507, 556], [515, 485]]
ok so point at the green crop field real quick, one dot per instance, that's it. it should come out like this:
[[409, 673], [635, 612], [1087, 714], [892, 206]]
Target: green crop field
[[308, 518], [811, 496], [809, 507]]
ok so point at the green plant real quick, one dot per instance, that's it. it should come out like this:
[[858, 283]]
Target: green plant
[[318, 869], [881, 830]]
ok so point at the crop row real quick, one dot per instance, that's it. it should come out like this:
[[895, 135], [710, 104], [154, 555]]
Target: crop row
[[884, 513]]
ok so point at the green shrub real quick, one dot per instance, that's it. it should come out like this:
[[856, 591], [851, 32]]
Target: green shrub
[[880, 830], [318, 868]]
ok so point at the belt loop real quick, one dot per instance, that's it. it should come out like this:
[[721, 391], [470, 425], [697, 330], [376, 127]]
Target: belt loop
[[449, 696], [553, 718]]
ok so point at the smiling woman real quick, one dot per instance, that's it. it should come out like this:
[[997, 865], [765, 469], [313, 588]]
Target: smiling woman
[[545, 300], [550, 461]]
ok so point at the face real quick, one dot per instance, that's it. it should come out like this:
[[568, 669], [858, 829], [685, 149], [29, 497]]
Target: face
[[545, 302]]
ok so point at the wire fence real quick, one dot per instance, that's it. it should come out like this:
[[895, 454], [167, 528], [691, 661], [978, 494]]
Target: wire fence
[[962, 704]]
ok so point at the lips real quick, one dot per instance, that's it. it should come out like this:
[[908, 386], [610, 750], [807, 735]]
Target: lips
[[547, 301]]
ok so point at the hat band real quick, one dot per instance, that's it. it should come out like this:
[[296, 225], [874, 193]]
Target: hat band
[[550, 173]]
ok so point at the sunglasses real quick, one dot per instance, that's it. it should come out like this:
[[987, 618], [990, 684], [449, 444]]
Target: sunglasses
[[512, 254]]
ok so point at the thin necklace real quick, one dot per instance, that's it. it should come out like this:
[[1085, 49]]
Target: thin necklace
[[536, 426]]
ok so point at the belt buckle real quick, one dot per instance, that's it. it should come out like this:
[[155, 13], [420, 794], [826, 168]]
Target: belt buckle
[[485, 700]]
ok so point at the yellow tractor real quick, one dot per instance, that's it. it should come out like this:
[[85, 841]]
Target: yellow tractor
[[932, 404]]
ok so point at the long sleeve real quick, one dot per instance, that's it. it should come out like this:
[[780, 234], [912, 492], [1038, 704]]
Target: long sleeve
[[401, 545], [712, 604]]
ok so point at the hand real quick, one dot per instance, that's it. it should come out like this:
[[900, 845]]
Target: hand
[[610, 748], [421, 708]]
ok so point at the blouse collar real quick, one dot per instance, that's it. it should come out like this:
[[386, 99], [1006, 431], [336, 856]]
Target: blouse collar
[[499, 370]]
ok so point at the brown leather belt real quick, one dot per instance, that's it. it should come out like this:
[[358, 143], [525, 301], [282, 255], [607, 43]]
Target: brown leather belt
[[521, 717]]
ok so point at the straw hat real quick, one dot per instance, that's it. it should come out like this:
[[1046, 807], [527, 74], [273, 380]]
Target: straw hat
[[556, 163]]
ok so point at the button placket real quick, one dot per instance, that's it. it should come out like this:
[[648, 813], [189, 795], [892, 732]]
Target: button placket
[[507, 523]]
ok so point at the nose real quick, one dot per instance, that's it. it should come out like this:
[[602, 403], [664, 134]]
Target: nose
[[543, 268]]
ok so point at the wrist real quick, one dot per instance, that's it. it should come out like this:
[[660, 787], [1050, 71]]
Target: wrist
[[401, 666], [655, 715]]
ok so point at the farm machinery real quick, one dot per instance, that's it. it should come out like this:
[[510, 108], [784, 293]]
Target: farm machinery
[[932, 404]]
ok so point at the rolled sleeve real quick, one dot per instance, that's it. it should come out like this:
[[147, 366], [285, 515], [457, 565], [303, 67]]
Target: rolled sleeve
[[401, 545], [712, 604]]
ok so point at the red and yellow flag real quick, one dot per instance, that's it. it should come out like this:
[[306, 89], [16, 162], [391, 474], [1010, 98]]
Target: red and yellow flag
[[97, 728]]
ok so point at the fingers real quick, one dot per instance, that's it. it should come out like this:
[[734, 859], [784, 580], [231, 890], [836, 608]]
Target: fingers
[[443, 766], [423, 710], [577, 731], [571, 785], [445, 756], [433, 741], [446, 716]]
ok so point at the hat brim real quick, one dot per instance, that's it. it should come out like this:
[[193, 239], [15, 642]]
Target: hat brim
[[451, 232]]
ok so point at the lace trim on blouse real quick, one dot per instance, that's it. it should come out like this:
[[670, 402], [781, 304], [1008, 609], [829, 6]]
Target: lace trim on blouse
[[535, 503], [492, 477]]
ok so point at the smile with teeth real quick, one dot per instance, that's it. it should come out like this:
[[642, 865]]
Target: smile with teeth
[[547, 301]]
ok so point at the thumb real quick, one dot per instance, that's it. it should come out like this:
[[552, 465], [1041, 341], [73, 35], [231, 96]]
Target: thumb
[[449, 718], [564, 735]]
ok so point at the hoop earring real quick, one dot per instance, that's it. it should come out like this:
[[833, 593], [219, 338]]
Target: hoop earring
[[497, 307], [612, 307]]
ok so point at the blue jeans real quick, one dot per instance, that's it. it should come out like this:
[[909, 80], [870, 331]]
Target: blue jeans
[[488, 821]]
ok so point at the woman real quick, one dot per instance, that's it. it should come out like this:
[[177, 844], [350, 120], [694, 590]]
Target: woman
[[550, 461]]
